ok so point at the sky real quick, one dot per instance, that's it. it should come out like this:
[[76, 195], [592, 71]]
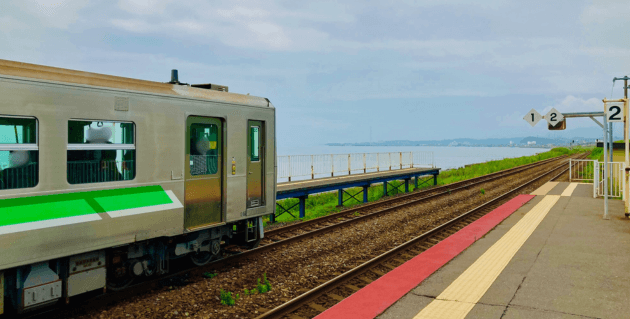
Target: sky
[[338, 70]]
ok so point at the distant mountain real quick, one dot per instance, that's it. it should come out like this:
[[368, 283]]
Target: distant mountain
[[515, 141]]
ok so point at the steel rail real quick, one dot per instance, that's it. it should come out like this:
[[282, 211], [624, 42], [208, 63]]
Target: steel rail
[[135, 289], [419, 196], [346, 223], [308, 296]]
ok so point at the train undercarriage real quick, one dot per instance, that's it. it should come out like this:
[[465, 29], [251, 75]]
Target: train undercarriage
[[43, 284]]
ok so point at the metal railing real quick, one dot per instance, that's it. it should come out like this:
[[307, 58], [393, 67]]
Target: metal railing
[[615, 179], [19, 177], [82, 172], [302, 167], [581, 170]]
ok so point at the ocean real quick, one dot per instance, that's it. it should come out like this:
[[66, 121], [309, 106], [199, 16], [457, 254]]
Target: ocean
[[445, 157]]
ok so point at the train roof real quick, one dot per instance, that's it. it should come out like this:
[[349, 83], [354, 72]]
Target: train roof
[[42, 72]]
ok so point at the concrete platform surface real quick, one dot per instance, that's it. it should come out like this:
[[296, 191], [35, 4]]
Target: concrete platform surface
[[574, 264]]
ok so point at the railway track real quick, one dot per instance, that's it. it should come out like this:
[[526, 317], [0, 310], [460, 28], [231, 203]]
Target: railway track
[[324, 296], [371, 210], [316, 228]]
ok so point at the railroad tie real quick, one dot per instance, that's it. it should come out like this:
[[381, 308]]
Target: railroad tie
[[353, 287], [317, 307], [335, 296], [377, 272]]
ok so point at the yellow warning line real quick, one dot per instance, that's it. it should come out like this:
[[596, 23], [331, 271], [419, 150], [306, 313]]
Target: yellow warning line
[[543, 190], [569, 190], [460, 297]]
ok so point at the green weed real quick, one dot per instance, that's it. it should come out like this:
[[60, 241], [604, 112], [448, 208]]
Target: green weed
[[227, 299], [265, 286], [210, 275], [483, 191]]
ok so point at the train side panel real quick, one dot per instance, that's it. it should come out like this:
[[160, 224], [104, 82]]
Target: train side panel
[[160, 151]]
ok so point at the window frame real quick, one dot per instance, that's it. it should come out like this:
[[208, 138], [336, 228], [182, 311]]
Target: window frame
[[256, 147], [23, 146], [6, 147], [102, 147], [205, 125]]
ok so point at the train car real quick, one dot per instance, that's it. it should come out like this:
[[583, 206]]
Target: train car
[[105, 179]]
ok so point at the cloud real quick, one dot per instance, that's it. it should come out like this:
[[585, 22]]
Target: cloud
[[53, 13], [576, 104]]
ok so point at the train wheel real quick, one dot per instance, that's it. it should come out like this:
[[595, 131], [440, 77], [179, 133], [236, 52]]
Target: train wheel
[[200, 258], [118, 284]]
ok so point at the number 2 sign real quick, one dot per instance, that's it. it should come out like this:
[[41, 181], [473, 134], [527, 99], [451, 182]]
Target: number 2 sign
[[554, 117], [614, 113]]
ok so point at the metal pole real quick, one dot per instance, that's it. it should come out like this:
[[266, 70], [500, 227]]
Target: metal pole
[[626, 136], [332, 167], [364, 169], [605, 168], [349, 165], [595, 177], [610, 140]]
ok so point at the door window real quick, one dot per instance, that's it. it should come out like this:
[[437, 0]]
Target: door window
[[254, 132], [204, 151]]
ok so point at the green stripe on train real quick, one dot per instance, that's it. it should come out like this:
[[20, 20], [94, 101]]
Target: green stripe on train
[[37, 208]]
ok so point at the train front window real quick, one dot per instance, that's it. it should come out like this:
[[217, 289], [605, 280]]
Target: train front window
[[19, 154], [101, 151], [204, 151]]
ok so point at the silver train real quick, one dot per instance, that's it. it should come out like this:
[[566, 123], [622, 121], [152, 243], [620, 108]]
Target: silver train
[[105, 179]]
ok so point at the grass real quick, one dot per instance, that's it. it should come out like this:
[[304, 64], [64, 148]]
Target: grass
[[326, 203], [598, 154]]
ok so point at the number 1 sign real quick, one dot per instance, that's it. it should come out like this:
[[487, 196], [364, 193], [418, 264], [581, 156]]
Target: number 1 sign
[[614, 112], [532, 117]]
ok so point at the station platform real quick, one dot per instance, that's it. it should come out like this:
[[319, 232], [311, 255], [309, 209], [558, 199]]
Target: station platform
[[301, 189], [545, 255]]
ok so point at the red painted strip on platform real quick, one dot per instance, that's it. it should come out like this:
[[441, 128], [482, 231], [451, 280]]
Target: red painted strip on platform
[[374, 298]]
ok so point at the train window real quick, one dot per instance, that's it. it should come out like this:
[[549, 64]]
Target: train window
[[101, 151], [19, 154], [254, 132], [204, 151]]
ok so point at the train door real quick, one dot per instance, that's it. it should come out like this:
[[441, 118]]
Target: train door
[[255, 163], [203, 202]]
